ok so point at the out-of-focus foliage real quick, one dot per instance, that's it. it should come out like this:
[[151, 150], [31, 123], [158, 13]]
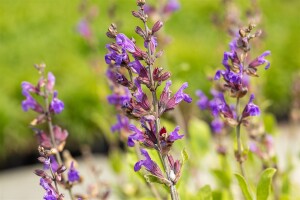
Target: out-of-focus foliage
[[35, 31]]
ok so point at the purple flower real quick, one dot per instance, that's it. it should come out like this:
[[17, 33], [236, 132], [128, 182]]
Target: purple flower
[[73, 174], [153, 44], [180, 95], [171, 6], [56, 105], [250, 109], [124, 42], [149, 164], [223, 108], [122, 123], [50, 196], [260, 60], [137, 135], [217, 125], [50, 82], [51, 161], [135, 66], [139, 94], [27, 88], [83, 29], [116, 56], [30, 103], [174, 135], [203, 101]]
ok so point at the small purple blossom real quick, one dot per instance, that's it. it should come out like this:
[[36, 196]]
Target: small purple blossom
[[51, 161], [56, 105], [139, 94], [49, 195], [149, 164], [174, 135], [28, 88], [123, 41], [137, 135], [203, 101], [180, 95], [84, 29], [122, 124], [73, 174], [171, 6], [116, 57], [260, 60], [30, 103], [251, 109], [217, 125], [50, 82]]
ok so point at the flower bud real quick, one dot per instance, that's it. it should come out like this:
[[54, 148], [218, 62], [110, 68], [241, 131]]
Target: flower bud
[[157, 26]]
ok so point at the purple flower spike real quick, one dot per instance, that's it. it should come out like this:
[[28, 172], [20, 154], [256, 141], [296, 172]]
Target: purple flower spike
[[124, 42], [149, 164], [137, 135], [56, 105], [250, 109], [179, 96], [203, 101], [73, 174], [260, 60], [174, 135]]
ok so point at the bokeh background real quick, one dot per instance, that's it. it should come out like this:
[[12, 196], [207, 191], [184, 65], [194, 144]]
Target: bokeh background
[[35, 31]]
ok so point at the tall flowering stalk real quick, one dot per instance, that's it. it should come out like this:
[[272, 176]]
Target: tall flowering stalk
[[142, 74], [52, 140], [238, 68]]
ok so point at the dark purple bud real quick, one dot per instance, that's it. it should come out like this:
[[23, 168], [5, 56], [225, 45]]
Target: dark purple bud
[[123, 41], [40, 172], [250, 109], [174, 135], [140, 32], [157, 26], [73, 174], [61, 169], [56, 105]]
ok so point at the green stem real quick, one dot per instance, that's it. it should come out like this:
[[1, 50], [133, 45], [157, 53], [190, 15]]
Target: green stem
[[238, 138]]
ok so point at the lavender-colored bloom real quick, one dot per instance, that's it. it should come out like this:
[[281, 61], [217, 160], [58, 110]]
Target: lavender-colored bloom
[[260, 60], [171, 6], [117, 57], [122, 123], [203, 101], [139, 94], [180, 95], [149, 164], [123, 41], [153, 44], [137, 135], [50, 82], [224, 108], [116, 99], [250, 109], [217, 125], [83, 29], [56, 105], [73, 174], [174, 135], [49, 195], [30, 103], [45, 184], [27, 88], [135, 66], [53, 162]]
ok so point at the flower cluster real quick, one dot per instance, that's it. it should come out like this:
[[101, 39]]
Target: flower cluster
[[134, 69], [51, 141]]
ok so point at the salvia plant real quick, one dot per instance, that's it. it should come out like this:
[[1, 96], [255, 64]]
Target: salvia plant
[[135, 69]]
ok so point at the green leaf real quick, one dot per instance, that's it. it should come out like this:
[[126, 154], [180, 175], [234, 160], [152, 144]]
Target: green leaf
[[205, 193], [264, 184], [184, 156], [155, 179], [244, 187]]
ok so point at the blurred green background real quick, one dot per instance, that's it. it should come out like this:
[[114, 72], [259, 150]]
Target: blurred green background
[[35, 31]]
